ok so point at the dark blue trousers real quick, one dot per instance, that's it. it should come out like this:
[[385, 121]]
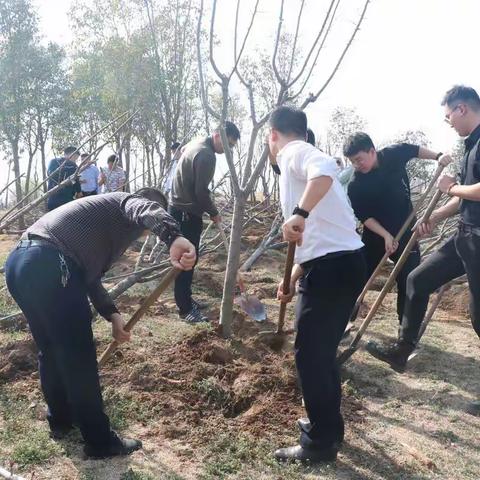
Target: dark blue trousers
[[60, 320]]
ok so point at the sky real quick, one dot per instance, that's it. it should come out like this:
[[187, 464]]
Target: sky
[[406, 55]]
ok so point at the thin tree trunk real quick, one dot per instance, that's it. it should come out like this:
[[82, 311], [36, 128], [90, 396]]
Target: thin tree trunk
[[226, 312], [18, 182]]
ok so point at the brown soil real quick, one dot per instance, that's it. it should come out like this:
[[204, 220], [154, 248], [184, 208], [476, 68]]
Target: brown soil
[[17, 359], [215, 385]]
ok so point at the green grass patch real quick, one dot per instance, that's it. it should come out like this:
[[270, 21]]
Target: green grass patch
[[241, 457], [23, 439]]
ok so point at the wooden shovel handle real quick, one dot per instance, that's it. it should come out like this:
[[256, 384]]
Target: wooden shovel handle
[[287, 277], [147, 303]]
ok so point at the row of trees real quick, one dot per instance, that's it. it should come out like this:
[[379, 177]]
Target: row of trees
[[165, 62]]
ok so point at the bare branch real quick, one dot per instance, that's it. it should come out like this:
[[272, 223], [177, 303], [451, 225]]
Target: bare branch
[[237, 58], [317, 39], [280, 80], [295, 39], [312, 98], [203, 90], [320, 48], [212, 30]]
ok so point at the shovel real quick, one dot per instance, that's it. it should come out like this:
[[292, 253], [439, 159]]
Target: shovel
[[250, 304], [352, 348], [147, 303]]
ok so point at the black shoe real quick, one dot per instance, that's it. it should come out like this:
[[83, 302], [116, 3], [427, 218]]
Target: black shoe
[[396, 354], [311, 455], [473, 408], [194, 316], [199, 305], [118, 447], [60, 432], [304, 425]]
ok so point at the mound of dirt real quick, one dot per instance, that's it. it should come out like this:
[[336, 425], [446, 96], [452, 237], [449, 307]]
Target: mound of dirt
[[216, 384], [456, 300], [17, 360]]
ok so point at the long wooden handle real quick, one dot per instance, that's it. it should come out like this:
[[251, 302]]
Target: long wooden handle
[[147, 303], [388, 285], [287, 277], [399, 235]]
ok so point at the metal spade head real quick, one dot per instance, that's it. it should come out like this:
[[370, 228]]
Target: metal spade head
[[252, 306]]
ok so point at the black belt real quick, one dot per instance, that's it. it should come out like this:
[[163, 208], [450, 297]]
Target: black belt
[[468, 229], [35, 242], [329, 256]]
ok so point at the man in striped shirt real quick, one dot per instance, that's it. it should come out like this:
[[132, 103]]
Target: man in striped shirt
[[53, 272]]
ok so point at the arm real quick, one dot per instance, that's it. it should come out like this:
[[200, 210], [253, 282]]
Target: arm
[[203, 172], [319, 171], [297, 272], [442, 213], [391, 244], [442, 158], [316, 189], [101, 300], [465, 192]]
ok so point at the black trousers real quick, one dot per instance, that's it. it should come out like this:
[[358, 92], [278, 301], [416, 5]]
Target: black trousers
[[375, 249], [191, 227], [328, 291], [60, 321], [459, 255]]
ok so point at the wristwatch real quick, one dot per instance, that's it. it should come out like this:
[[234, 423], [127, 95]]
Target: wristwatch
[[300, 211], [439, 154]]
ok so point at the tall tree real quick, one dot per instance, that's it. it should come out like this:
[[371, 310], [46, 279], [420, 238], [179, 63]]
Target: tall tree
[[18, 31]]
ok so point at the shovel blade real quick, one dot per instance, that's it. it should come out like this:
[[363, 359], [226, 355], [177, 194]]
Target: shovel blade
[[252, 306]]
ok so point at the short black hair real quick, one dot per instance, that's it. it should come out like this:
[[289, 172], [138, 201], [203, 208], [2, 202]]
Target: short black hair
[[153, 194], [175, 145], [84, 155], [462, 94], [310, 137], [358, 142], [69, 150], [112, 158], [231, 130], [289, 121]]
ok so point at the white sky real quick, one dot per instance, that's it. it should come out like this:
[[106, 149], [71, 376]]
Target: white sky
[[407, 54]]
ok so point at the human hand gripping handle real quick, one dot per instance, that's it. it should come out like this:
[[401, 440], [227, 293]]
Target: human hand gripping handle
[[293, 229], [182, 254]]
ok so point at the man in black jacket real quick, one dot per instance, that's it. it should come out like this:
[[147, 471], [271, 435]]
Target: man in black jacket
[[191, 197], [53, 272]]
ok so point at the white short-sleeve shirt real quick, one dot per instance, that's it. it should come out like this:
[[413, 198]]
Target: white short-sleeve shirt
[[330, 226]]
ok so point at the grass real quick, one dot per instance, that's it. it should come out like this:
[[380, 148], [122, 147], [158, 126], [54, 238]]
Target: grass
[[243, 458], [23, 439]]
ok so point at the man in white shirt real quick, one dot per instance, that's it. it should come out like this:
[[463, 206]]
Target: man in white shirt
[[331, 269], [89, 177]]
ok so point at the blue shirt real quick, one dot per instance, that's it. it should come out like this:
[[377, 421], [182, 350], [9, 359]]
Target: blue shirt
[[89, 179]]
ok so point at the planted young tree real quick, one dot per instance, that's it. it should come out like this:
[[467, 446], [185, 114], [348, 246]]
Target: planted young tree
[[292, 73]]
